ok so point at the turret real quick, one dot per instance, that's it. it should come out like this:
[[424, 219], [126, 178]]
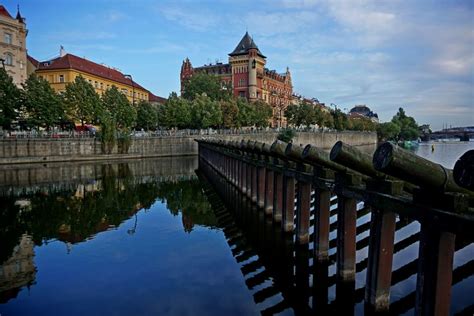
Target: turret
[[187, 71]]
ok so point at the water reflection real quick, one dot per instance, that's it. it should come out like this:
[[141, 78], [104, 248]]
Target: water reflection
[[73, 212]]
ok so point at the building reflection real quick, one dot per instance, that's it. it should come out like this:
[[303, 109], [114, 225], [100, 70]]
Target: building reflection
[[76, 212], [19, 270]]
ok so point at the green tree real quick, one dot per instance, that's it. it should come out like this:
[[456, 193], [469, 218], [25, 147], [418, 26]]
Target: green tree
[[388, 131], [246, 113], [262, 113], [117, 104], [341, 121], [286, 135], [205, 112], [230, 112], [82, 102], [10, 100], [42, 105], [292, 114], [176, 112], [409, 129], [211, 85], [147, 115]]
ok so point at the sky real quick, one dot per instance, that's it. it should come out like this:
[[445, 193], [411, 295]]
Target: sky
[[418, 55]]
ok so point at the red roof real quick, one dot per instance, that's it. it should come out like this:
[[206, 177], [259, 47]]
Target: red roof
[[33, 61], [69, 61], [155, 98], [4, 12]]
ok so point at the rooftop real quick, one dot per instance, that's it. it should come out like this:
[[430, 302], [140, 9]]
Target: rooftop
[[245, 44]]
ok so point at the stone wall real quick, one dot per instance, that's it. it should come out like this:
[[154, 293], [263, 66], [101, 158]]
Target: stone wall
[[14, 151]]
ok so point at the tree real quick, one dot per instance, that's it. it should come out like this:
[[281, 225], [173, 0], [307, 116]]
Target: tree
[[176, 112], [147, 115], [388, 131], [245, 115], [117, 104], [262, 113], [205, 112], [211, 85], [43, 106], [10, 100], [82, 102], [230, 112], [341, 122], [409, 129]]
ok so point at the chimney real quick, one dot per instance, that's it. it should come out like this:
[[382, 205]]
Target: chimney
[[62, 52]]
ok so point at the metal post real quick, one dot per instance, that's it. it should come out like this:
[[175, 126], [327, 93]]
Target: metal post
[[303, 212], [346, 238]]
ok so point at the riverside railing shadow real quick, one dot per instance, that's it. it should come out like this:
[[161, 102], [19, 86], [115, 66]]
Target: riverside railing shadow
[[338, 210]]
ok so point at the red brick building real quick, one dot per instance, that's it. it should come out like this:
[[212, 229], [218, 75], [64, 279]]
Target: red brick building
[[248, 77]]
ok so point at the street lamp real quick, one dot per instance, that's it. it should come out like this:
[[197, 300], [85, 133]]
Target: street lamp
[[335, 107], [133, 88]]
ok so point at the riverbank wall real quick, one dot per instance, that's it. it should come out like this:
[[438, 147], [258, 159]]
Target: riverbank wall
[[18, 151]]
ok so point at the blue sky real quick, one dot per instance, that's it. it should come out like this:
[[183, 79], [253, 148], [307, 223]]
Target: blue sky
[[386, 54]]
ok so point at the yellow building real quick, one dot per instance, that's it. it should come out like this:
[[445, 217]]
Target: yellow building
[[13, 45], [65, 68]]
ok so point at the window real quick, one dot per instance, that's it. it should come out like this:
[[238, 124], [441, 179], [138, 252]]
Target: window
[[61, 78], [8, 38], [242, 94], [8, 59], [96, 84], [101, 85], [241, 82]]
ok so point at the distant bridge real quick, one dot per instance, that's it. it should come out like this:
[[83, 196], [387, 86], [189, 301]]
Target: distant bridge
[[463, 133]]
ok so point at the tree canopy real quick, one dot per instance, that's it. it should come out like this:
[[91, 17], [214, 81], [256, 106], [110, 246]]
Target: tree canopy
[[10, 100], [43, 106], [209, 84], [82, 102], [117, 104]]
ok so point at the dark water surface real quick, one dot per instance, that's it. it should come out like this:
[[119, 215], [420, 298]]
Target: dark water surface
[[150, 237]]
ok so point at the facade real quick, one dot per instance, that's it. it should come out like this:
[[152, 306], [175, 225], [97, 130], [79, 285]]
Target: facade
[[248, 77], [13, 45], [362, 111], [64, 69]]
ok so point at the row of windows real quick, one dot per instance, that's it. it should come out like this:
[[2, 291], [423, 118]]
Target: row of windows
[[97, 85], [241, 69]]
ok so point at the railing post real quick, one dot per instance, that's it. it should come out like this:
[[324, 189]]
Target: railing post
[[303, 212], [269, 182], [379, 268], [322, 224], [243, 177], [254, 182], [346, 237], [435, 265], [288, 211], [261, 186], [277, 196]]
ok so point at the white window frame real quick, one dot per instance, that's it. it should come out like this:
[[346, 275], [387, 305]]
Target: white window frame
[[8, 59], [8, 38]]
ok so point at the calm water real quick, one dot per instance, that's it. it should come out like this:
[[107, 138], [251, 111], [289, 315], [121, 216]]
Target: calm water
[[150, 237]]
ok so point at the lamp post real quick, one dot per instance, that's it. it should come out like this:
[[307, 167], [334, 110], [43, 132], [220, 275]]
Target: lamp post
[[133, 88]]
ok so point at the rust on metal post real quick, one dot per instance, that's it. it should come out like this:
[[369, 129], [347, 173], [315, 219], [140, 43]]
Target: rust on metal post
[[379, 268], [346, 238], [288, 210], [303, 212], [435, 265]]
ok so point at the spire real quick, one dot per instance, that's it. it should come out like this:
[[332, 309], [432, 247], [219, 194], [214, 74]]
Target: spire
[[245, 44], [18, 15]]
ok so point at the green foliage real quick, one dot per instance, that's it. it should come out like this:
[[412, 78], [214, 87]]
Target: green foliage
[[341, 121], [44, 108], [262, 112], [362, 124], [10, 100], [107, 132], [117, 104], [176, 112], [286, 135], [147, 115], [205, 113], [82, 102], [230, 112], [388, 131], [409, 129], [211, 85], [245, 115]]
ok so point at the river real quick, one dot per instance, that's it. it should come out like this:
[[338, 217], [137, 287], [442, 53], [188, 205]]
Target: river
[[151, 237]]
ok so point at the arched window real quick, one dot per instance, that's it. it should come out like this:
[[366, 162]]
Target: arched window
[[8, 59]]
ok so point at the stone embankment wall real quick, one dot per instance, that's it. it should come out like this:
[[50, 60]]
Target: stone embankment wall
[[13, 151]]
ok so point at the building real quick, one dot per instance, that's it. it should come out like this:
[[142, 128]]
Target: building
[[299, 99], [13, 45], [248, 77], [362, 111], [64, 69]]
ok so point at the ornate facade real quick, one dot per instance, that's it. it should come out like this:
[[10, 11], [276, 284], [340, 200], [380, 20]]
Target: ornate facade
[[248, 77], [13, 45]]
